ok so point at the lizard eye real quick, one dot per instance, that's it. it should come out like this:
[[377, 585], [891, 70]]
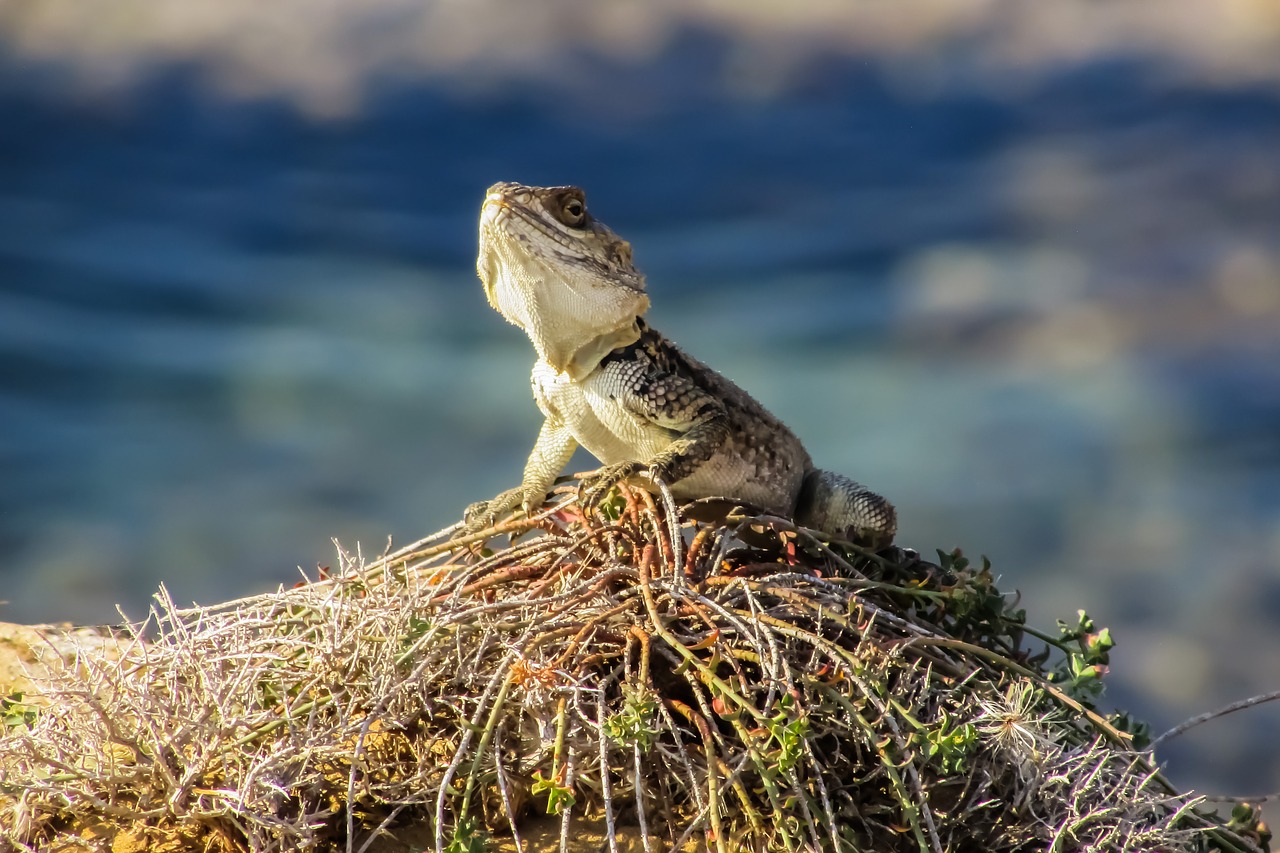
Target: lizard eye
[[573, 213]]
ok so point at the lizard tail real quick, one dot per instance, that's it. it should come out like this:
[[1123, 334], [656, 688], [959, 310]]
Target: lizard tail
[[843, 508]]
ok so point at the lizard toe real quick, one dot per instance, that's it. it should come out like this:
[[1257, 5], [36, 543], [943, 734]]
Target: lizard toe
[[482, 514], [476, 517], [594, 490]]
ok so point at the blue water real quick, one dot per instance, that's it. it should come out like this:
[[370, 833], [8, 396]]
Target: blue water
[[1044, 319]]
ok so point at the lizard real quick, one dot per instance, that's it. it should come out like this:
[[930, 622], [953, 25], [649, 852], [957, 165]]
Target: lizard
[[605, 380]]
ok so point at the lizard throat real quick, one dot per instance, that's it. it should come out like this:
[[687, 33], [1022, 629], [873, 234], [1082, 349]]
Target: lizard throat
[[572, 317]]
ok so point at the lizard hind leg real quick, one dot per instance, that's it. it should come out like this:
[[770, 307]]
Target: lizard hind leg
[[846, 509]]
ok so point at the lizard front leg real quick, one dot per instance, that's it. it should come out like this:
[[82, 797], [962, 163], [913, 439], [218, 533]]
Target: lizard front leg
[[550, 454], [696, 421]]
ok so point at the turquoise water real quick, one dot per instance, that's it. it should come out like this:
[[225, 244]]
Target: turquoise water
[[1046, 323]]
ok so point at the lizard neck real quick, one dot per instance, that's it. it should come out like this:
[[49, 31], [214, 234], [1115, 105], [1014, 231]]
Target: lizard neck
[[573, 319], [587, 357]]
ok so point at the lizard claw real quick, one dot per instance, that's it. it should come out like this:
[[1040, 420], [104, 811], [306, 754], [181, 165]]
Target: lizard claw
[[482, 514], [478, 516], [596, 488]]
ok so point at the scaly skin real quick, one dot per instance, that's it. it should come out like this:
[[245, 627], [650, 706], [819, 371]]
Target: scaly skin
[[606, 381]]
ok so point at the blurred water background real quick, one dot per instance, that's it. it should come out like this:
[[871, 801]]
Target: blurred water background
[[1015, 265]]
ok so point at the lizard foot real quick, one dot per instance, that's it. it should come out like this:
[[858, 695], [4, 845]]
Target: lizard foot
[[595, 488], [482, 514]]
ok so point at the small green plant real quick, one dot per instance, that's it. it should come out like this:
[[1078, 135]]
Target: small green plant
[[418, 628], [949, 747], [468, 837], [17, 713], [1088, 655], [787, 729], [634, 724], [559, 795], [612, 506], [1246, 819], [1140, 730]]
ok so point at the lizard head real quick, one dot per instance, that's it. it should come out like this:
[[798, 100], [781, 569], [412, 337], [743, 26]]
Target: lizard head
[[551, 268]]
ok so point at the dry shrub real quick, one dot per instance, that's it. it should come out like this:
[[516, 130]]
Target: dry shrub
[[725, 684]]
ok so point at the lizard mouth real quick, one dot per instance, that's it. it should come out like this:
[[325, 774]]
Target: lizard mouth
[[495, 205], [493, 234]]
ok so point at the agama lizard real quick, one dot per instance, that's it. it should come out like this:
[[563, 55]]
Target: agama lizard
[[608, 382]]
